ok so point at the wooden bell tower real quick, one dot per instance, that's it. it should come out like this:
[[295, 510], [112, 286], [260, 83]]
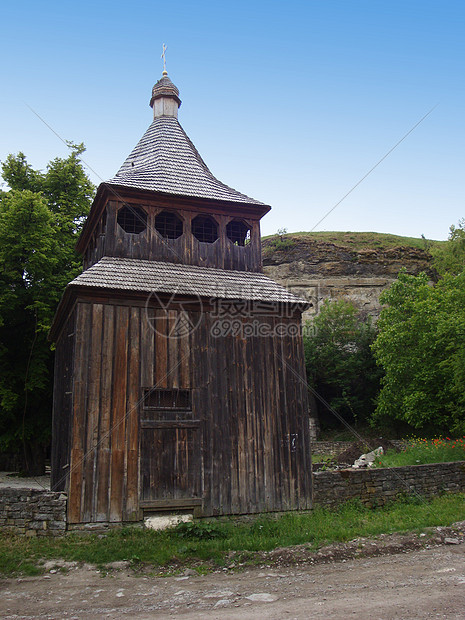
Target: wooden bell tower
[[179, 376]]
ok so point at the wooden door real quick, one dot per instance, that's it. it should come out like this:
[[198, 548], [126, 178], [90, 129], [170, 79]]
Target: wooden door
[[171, 464]]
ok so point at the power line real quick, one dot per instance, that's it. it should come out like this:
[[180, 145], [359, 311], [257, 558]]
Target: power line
[[375, 166]]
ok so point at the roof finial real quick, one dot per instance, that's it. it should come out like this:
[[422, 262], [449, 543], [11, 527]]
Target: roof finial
[[165, 72]]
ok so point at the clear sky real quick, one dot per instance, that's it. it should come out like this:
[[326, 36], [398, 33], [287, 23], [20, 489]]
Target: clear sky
[[289, 102]]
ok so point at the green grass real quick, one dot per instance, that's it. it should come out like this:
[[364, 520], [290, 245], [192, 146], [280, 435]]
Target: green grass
[[321, 458], [423, 451], [363, 240], [207, 543]]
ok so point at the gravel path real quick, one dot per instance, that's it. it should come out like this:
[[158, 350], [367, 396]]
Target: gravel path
[[9, 480], [428, 583]]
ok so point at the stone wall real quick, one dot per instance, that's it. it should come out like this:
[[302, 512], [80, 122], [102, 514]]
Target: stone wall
[[377, 486], [33, 512], [330, 448], [334, 448]]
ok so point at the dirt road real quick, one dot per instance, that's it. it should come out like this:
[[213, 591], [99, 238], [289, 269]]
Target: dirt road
[[419, 584]]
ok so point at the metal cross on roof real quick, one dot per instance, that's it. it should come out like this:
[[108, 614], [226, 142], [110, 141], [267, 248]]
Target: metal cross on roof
[[164, 58]]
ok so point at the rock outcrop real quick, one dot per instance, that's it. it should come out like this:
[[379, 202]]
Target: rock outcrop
[[318, 270]]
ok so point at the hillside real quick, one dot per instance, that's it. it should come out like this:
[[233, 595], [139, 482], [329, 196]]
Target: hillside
[[356, 266], [361, 240]]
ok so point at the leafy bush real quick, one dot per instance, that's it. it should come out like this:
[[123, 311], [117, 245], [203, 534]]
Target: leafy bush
[[421, 347], [198, 531], [450, 257], [340, 364], [282, 244]]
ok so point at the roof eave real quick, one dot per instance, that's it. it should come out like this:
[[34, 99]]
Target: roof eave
[[253, 208], [74, 291]]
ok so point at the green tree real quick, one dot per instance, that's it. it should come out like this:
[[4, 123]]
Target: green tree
[[450, 258], [40, 218], [421, 347], [340, 364]]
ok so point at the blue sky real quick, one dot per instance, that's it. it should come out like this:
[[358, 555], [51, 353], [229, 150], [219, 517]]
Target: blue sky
[[289, 102]]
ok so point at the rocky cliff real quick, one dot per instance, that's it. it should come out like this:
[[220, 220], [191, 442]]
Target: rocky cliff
[[355, 266]]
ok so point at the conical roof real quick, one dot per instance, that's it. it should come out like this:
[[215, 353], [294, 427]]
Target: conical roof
[[165, 160]]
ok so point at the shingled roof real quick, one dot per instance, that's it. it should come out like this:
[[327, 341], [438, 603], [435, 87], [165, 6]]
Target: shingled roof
[[145, 276], [165, 160]]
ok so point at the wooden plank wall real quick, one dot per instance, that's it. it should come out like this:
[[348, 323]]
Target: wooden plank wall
[[256, 444], [104, 449], [62, 406], [249, 393], [186, 249]]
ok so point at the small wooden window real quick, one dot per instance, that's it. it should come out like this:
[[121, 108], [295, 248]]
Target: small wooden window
[[168, 225], [238, 232], [132, 219], [168, 399], [205, 229]]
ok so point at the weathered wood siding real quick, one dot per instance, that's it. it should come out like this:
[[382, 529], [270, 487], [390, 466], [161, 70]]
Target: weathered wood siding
[[109, 239], [242, 447], [62, 405]]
